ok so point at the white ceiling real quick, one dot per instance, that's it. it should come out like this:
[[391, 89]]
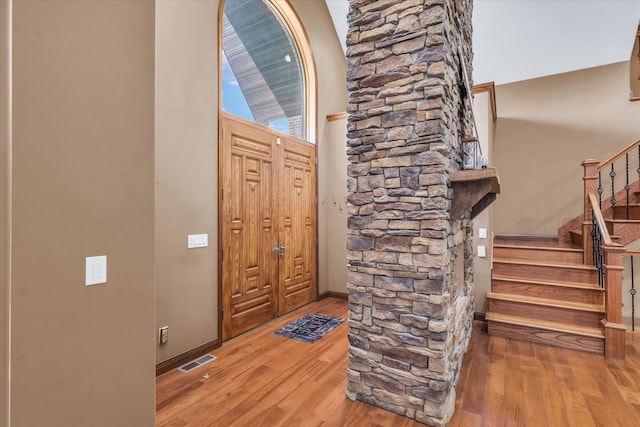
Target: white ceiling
[[517, 40]]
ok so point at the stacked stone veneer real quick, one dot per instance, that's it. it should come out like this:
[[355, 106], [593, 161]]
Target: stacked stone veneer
[[410, 311]]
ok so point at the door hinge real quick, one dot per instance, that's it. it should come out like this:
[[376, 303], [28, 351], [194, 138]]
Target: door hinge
[[316, 201], [316, 241], [222, 314], [222, 195], [316, 161], [222, 256]]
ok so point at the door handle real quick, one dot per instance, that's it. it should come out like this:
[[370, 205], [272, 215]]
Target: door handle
[[281, 249], [276, 250]]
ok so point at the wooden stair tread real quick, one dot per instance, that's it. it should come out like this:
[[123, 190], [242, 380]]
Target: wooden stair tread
[[545, 324], [623, 221], [539, 248], [530, 239], [596, 308], [547, 282], [545, 264], [579, 233]]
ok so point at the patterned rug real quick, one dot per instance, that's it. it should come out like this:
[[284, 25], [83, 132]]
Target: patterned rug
[[310, 328]]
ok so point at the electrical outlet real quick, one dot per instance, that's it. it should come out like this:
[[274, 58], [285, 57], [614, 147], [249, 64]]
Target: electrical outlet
[[163, 335]]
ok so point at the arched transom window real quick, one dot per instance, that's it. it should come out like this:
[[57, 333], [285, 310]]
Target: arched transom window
[[264, 77]]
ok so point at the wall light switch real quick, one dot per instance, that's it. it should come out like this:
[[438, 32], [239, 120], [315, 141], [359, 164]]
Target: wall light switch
[[482, 233], [96, 270], [482, 251], [197, 241]]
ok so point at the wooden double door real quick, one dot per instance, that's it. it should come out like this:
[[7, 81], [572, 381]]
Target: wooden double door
[[269, 236]]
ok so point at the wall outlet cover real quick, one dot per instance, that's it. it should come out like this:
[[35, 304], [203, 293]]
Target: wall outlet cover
[[95, 270], [482, 252]]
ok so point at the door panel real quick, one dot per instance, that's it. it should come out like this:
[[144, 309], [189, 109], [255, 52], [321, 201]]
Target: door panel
[[249, 270], [268, 198], [298, 227]]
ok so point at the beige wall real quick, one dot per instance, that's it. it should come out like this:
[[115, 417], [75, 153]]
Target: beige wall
[[545, 129], [332, 160], [83, 147], [332, 208], [5, 176], [187, 164], [482, 265], [186, 173]]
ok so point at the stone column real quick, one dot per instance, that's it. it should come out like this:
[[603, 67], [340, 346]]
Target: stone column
[[410, 310]]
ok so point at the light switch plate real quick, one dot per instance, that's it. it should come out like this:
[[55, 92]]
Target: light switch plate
[[482, 233], [482, 251], [197, 241], [96, 270]]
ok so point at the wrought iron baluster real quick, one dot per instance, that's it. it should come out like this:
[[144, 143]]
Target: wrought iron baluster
[[594, 237], [612, 174], [638, 170], [600, 190], [598, 252], [627, 187]]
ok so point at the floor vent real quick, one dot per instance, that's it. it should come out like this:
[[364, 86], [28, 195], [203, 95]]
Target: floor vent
[[188, 367]]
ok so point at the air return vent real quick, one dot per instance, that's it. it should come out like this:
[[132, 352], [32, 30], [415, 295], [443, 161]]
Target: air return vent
[[188, 367]]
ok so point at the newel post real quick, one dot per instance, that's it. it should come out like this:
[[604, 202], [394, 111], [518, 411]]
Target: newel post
[[590, 180], [614, 330]]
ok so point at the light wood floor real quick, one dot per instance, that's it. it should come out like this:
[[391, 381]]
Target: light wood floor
[[260, 379]]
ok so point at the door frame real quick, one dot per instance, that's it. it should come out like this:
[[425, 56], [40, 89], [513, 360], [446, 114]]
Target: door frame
[[310, 77]]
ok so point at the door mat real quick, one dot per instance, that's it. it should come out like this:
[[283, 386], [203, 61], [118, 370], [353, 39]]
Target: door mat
[[310, 328]]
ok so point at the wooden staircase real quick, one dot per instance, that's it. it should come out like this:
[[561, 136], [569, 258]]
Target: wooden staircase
[[547, 289], [544, 293]]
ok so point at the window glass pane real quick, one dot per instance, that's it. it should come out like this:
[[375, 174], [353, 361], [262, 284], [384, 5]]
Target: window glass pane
[[262, 73], [233, 98]]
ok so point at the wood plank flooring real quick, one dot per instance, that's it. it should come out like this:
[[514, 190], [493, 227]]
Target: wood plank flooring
[[261, 379]]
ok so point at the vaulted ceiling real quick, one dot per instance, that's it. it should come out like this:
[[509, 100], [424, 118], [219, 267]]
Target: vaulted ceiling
[[525, 39]]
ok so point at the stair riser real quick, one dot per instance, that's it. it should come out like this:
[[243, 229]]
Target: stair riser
[[543, 255], [621, 212], [558, 314], [587, 296], [558, 339], [543, 272], [626, 232], [576, 238]]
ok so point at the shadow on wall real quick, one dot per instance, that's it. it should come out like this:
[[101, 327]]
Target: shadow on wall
[[541, 173], [634, 69]]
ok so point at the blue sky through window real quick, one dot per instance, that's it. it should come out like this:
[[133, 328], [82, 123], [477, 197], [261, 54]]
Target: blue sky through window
[[233, 100]]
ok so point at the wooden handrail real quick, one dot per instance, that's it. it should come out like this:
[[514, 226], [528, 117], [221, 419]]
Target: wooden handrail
[[491, 88], [619, 154], [599, 219], [337, 116]]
